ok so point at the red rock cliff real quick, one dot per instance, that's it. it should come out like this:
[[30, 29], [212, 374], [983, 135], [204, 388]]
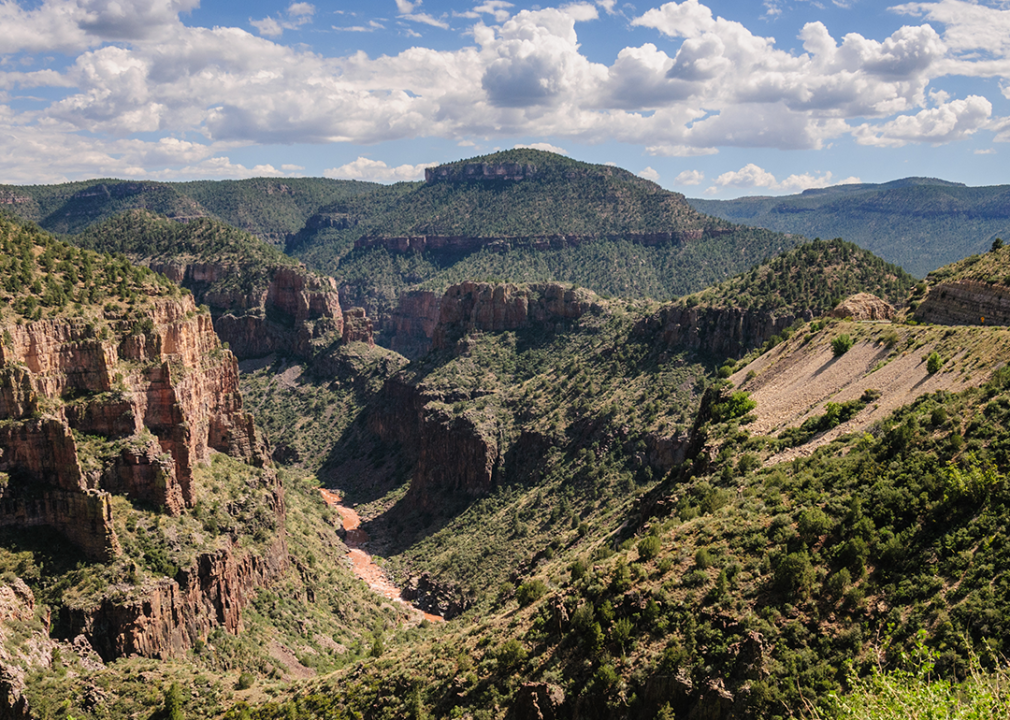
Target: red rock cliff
[[296, 312], [160, 380]]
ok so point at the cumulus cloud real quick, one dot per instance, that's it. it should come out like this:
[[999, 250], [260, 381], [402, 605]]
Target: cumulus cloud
[[377, 171], [752, 176], [946, 123], [703, 82], [649, 174], [689, 177]]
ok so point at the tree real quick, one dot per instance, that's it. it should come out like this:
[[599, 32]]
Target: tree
[[997, 244]]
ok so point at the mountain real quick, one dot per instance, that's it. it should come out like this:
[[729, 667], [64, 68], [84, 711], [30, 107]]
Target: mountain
[[270, 209], [524, 216], [918, 223]]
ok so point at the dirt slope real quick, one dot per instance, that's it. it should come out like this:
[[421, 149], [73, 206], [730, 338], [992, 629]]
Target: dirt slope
[[795, 380]]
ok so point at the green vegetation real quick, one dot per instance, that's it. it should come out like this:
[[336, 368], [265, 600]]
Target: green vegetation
[[917, 223], [41, 276], [841, 344]]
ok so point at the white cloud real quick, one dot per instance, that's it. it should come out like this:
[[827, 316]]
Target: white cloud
[[703, 83], [377, 171], [689, 177], [943, 124], [752, 176], [298, 14], [547, 147], [649, 174]]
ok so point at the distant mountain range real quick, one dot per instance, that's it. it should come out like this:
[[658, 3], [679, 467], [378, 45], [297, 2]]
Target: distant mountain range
[[918, 223]]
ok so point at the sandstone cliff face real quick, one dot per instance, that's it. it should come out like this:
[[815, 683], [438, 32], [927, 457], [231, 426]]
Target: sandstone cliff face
[[465, 244], [469, 172], [358, 327], [24, 647], [966, 302], [165, 618], [163, 383], [484, 307], [411, 325], [296, 312], [725, 331]]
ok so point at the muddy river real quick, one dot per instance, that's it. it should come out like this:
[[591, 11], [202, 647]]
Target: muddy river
[[363, 564]]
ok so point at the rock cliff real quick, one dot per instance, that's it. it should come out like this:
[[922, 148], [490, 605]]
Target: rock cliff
[[469, 172], [148, 396], [24, 646], [486, 307], [966, 302], [717, 330], [465, 244], [295, 312], [166, 617], [411, 325]]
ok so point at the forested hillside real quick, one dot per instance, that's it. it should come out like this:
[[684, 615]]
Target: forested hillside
[[918, 223]]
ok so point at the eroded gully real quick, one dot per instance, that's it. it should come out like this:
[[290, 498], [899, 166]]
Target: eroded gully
[[362, 563]]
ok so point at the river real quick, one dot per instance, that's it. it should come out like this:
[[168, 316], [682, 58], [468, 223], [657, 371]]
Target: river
[[363, 564]]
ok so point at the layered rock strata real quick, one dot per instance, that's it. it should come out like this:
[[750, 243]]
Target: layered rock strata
[[295, 312], [724, 331], [411, 325], [465, 244], [966, 302], [87, 411]]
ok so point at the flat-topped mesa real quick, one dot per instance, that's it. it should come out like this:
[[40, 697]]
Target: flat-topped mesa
[[124, 404], [487, 307], [468, 172]]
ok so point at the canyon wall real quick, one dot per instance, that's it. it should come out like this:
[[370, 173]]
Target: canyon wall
[[152, 395], [294, 313], [966, 302], [465, 244], [722, 331]]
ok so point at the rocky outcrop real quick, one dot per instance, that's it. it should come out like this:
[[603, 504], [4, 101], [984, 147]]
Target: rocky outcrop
[[466, 244], [411, 325], [428, 594], [721, 331], [966, 302], [485, 307], [294, 313], [166, 617], [358, 327], [153, 394], [471, 172], [864, 306], [25, 647], [539, 701]]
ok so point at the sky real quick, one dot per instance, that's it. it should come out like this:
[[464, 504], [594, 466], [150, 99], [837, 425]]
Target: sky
[[711, 98]]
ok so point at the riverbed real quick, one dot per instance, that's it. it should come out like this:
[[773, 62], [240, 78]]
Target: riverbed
[[361, 561]]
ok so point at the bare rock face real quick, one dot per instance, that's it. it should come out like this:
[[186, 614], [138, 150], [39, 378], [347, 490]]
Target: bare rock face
[[539, 701], [163, 383], [168, 616], [297, 312], [24, 647], [966, 302], [487, 307], [864, 306], [726, 331], [358, 327], [470, 172], [411, 325]]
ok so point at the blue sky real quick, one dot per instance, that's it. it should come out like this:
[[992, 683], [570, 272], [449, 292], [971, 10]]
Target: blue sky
[[712, 98]]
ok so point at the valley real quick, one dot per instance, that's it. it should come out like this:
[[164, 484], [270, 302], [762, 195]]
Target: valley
[[531, 439]]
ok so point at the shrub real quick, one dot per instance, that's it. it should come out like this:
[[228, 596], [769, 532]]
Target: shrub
[[530, 591], [649, 547], [933, 363], [841, 345], [795, 574], [736, 405]]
